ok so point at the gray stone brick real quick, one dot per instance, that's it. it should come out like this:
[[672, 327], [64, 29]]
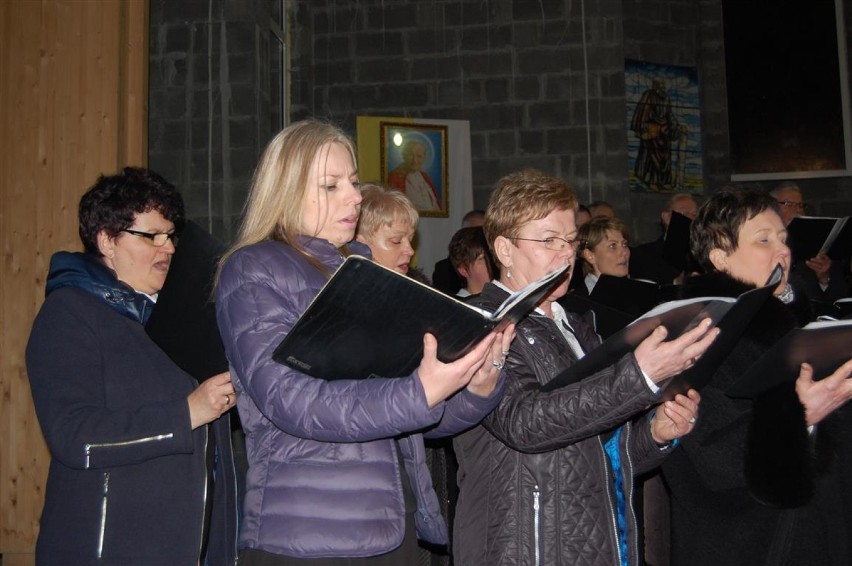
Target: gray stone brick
[[453, 93], [243, 100], [373, 44], [548, 114], [538, 10], [566, 141], [392, 16], [177, 38], [526, 34], [448, 113], [478, 144], [337, 18], [539, 61], [494, 117], [527, 88], [434, 68], [489, 64], [501, 144], [169, 11], [401, 95], [433, 40], [242, 69], [466, 13], [531, 141], [496, 90], [333, 72], [240, 37], [391, 69]]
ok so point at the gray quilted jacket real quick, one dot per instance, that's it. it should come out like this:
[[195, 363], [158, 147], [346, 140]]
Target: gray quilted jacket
[[536, 486]]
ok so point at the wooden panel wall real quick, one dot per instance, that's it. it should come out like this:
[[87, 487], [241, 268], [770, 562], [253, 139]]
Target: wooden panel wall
[[73, 104]]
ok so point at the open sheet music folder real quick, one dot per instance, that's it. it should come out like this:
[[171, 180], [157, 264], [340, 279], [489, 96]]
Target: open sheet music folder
[[369, 321], [729, 314], [809, 236], [826, 345]]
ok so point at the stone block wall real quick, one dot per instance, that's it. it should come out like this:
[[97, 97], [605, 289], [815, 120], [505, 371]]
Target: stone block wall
[[209, 102], [541, 82], [518, 71]]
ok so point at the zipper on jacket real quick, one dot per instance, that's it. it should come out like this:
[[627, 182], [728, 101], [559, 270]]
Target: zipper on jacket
[[630, 491], [537, 524], [102, 531], [89, 447], [204, 491], [608, 484]]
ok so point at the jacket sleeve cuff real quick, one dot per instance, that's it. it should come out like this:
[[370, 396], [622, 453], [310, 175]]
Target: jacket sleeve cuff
[[434, 414]]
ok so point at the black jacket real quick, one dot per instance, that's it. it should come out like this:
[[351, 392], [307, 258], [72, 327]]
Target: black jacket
[[536, 486], [128, 479], [749, 486]]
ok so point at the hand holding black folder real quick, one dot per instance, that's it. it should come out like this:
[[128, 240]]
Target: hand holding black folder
[[731, 316], [809, 236], [369, 320]]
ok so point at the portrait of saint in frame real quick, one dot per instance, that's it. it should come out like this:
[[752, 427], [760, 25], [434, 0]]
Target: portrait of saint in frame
[[414, 161]]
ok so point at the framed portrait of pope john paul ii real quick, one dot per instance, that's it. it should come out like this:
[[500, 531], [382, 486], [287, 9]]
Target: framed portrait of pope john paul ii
[[414, 161]]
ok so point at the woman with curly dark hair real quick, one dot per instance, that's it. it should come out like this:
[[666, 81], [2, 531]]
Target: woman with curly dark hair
[[130, 433]]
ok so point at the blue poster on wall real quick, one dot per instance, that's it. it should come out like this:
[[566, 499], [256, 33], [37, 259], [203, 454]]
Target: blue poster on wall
[[664, 128]]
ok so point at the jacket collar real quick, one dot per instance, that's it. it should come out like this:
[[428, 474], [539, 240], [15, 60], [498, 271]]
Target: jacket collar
[[324, 250], [87, 272], [717, 283]]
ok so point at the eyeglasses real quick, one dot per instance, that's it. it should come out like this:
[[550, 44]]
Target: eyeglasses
[[554, 243], [791, 204], [157, 239]]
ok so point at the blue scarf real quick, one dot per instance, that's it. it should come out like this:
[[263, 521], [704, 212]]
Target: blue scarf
[[87, 272]]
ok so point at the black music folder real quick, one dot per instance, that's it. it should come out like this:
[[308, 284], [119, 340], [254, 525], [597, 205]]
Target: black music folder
[[369, 321], [631, 296], [825, 344], [608, 320], [676, 245], [809, 236], [729, 314]]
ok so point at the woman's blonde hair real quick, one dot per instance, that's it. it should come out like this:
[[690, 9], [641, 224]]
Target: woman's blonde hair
[[382, 207], [521, 197], [280, 184]]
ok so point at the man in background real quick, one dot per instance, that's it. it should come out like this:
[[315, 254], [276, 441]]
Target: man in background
[[649, 261], [818, 278], [444, 276], [601, 208]]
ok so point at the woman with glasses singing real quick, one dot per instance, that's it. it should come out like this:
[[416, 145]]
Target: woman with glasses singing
[[131, 435], [547, 477]]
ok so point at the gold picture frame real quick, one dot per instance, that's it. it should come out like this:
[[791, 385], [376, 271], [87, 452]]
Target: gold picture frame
[[414, 161]]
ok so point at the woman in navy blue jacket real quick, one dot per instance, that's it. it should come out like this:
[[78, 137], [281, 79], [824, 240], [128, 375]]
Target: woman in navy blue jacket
[[133, 438], [336, 468]]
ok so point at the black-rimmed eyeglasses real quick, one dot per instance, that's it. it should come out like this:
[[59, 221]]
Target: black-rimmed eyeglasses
[[157, 239], [554, 243], [803, 206]]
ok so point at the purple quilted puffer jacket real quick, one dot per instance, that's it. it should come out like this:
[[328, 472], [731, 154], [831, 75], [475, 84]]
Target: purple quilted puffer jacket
[[324, 477]]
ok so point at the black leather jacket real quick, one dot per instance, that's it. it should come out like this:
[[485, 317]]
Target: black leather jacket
[[537, 486]]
